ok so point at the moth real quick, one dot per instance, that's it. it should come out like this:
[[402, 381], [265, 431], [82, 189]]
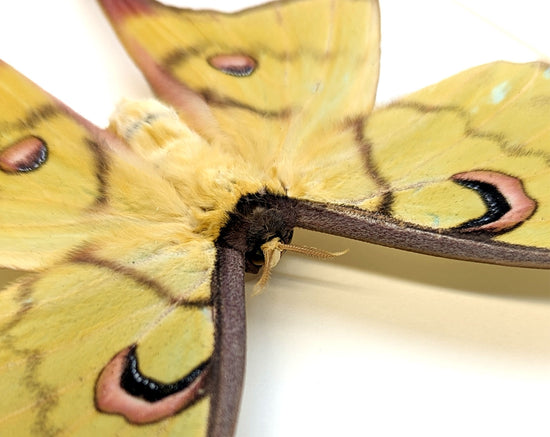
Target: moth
[[155, 276]]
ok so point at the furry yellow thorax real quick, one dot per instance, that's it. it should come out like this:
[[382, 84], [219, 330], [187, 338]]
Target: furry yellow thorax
[[210, 179]]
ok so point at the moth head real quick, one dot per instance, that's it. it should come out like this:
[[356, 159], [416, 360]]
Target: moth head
[[265, 225], [256, 219]]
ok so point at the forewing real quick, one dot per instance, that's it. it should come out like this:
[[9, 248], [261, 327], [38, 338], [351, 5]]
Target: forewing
[[133, 323], [97, 346], [461, 169], [266, 81], [461, 166], [64, 181], [51, 167]]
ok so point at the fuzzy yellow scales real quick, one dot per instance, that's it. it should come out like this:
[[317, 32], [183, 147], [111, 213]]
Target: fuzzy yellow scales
[[119, 271], [137, 237], [296, 113]]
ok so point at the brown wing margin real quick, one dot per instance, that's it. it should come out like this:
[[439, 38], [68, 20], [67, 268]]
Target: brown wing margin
[[351, 222], [228, 360]]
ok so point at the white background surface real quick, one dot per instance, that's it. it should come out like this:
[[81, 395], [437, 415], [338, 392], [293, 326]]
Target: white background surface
[[379, 342]]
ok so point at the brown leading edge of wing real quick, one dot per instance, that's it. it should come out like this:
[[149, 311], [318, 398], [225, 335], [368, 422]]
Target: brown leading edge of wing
[[351, 222], [228, 361]]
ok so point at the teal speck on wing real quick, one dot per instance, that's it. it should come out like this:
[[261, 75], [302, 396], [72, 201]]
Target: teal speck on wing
[[499, 92], [435, 220]]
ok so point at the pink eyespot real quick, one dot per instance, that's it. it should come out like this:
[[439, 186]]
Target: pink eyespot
[[508, 205], [25, 155], [234, 65], [124, 390]]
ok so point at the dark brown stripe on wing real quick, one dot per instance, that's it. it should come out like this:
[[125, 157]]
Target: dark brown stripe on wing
[[215, 99], [44, 395], [179, 56], [86, 257], [101, 172], [31, 119], [46, 112], [508, 148], [365, 147]]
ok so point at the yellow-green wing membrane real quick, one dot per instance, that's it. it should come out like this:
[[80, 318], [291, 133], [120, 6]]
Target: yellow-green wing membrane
[[131, 322], [37, 199], [119, 329], [464, 166], [90, 337], [281, 85], [458, 169]]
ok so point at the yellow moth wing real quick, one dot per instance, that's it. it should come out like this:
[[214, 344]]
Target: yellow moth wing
[[93, 320], [440, 316], [435, 327], [306, 86], [80, 181], [488, 118], [124, 270], [27, 209]]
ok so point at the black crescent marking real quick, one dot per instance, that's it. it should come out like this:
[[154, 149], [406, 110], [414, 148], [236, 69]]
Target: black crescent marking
[[494, 201], [135, 383]]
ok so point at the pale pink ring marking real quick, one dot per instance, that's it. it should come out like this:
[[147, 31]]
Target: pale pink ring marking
[[110, 397], [521, 205]]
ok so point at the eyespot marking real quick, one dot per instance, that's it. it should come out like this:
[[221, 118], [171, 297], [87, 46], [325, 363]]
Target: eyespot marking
[[25, 155], [234, 65], [508, 205], [122, 389]]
